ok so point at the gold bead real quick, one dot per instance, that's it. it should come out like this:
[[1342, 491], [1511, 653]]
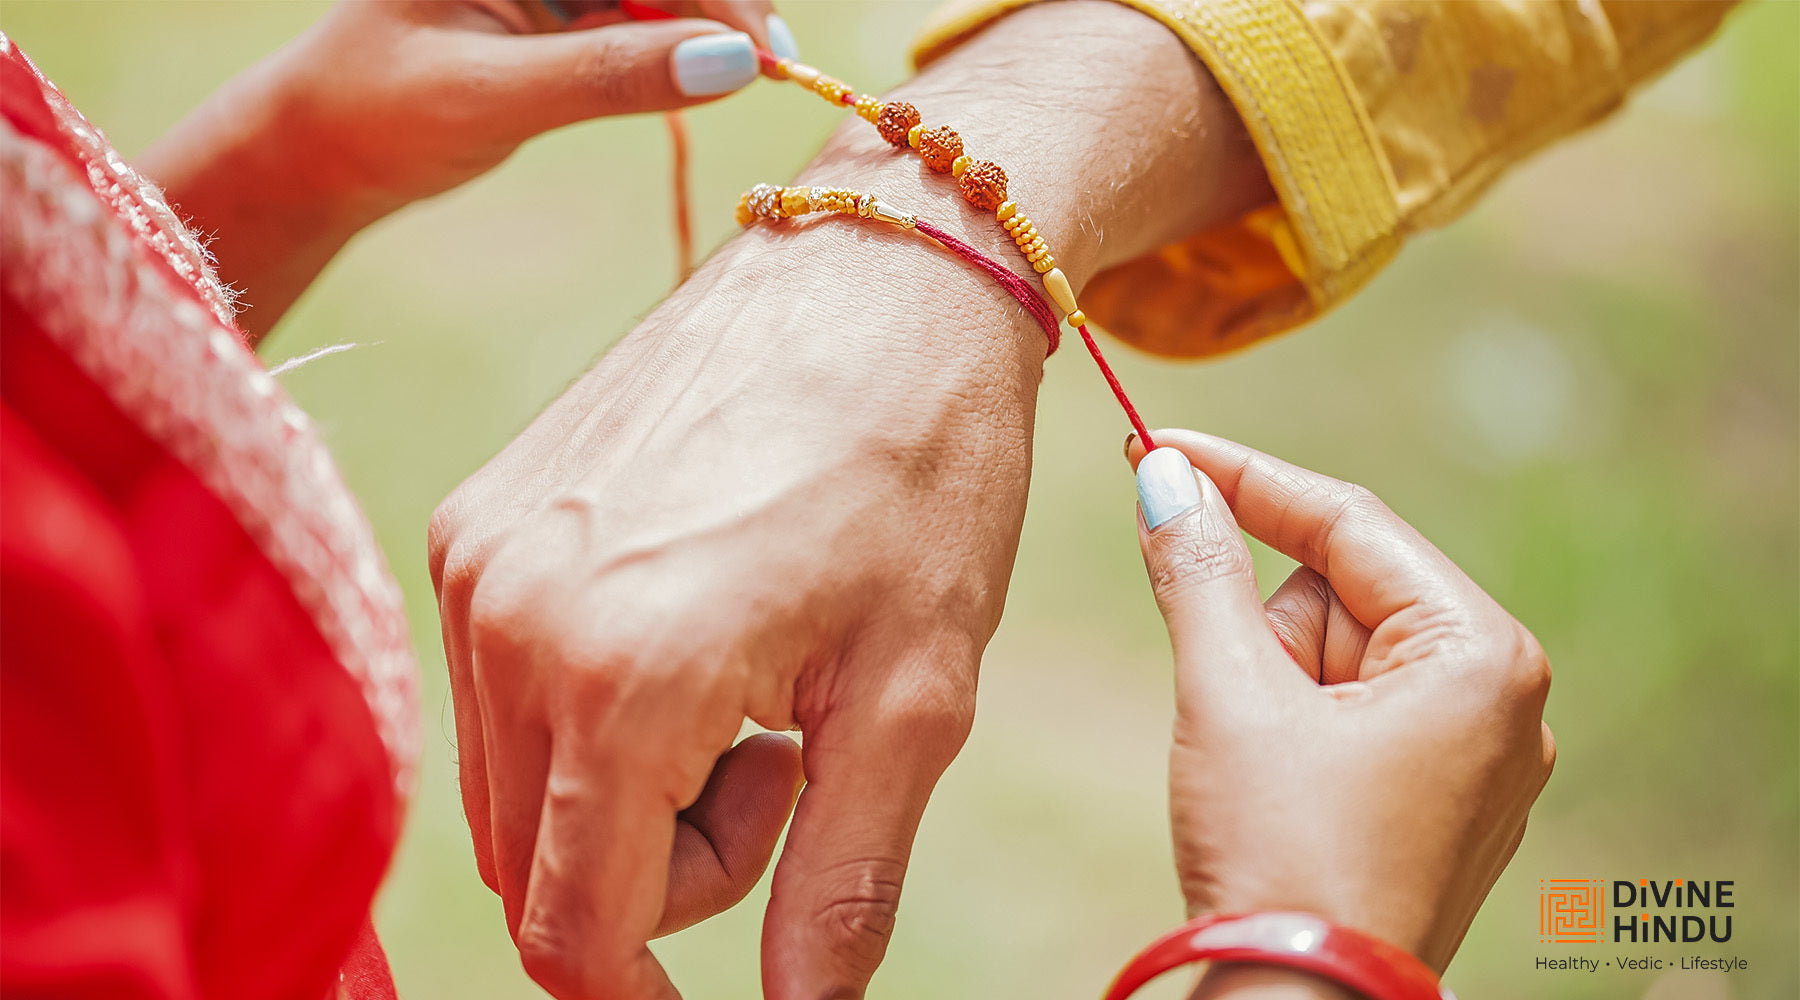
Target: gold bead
[[1078, 318], [744, 215], [1043, 264], [960, 164], [1006, 211], [802, 74], [1057, 284], [912, 135], [796, 200]]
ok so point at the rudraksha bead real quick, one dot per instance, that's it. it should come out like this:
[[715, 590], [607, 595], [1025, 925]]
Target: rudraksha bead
[[940, 147], [897, 119], [983, 183]]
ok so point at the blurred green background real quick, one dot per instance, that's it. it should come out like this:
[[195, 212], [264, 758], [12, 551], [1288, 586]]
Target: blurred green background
[[1585, 392]]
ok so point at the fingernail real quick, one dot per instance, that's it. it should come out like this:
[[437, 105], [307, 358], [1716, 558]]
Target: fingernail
[[1130, 439], [781, 38], [1166, 486], [714, 64]]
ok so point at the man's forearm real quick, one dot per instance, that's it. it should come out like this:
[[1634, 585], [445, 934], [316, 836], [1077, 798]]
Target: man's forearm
[[1115, 140]]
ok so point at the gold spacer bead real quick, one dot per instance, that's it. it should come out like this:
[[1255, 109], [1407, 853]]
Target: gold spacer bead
[[960, 164], [1006, 211], [744, 215], [802, 74], [912, 135], [796, 200], [1057, 284], [1078, 318], [1043, 264]]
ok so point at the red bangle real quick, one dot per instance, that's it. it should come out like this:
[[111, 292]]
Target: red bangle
[[1367, 965]]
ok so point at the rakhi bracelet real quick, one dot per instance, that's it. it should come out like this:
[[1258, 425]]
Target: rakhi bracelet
[[770, 201], [1366, 965], [982, 182]]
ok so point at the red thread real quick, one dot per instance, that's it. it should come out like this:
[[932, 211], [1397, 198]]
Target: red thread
[[1118, 391], [643, 12], [1040, 310], [1014, 285], [684, 226]]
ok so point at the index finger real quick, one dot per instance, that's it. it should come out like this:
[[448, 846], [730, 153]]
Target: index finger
[[1378, 564]]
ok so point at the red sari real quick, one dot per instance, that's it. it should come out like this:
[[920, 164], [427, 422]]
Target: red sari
[[207, 697]]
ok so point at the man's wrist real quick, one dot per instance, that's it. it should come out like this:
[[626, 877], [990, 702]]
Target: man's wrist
[[1114, 137]]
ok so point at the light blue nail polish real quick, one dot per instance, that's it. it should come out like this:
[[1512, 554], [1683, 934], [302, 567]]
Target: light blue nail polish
[[714, 64], [781, 38], [1166, 486]]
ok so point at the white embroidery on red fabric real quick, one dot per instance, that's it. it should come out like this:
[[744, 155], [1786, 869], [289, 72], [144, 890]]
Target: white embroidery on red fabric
[[163, 347]]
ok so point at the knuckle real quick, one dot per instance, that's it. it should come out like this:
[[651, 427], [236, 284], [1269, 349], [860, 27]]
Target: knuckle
[[547, 958], [1194, 559], [859, 913], [1350, 504], [1527, 665], [935, 715], [440, 539]]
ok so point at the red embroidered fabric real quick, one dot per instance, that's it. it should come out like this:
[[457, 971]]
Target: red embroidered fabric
[[207, 702]]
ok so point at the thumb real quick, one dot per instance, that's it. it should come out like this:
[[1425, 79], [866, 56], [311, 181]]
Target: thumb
[[1204, 579], [557, 79]]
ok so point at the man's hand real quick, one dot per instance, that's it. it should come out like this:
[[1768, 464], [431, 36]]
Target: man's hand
[[794, 495], [382, 103], [1367, 743]]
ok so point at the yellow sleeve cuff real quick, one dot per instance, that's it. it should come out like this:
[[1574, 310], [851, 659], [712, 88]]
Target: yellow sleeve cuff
[[1337, 223]]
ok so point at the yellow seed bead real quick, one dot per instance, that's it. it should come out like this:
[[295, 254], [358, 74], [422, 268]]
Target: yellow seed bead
[[868, 108], [1011, 225], [1057, 284], [1078, 318], [912, 135], [1006, 211], [960, 164], [802, 74], [796, 200]]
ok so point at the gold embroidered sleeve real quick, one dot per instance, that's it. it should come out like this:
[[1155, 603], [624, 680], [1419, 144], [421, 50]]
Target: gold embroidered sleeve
[[1375, 119]]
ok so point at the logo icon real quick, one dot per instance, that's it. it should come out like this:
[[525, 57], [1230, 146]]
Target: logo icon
[[1571, 910]]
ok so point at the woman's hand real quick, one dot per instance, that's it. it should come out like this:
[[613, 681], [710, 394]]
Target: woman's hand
[[380, 104], [1366, 744]]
